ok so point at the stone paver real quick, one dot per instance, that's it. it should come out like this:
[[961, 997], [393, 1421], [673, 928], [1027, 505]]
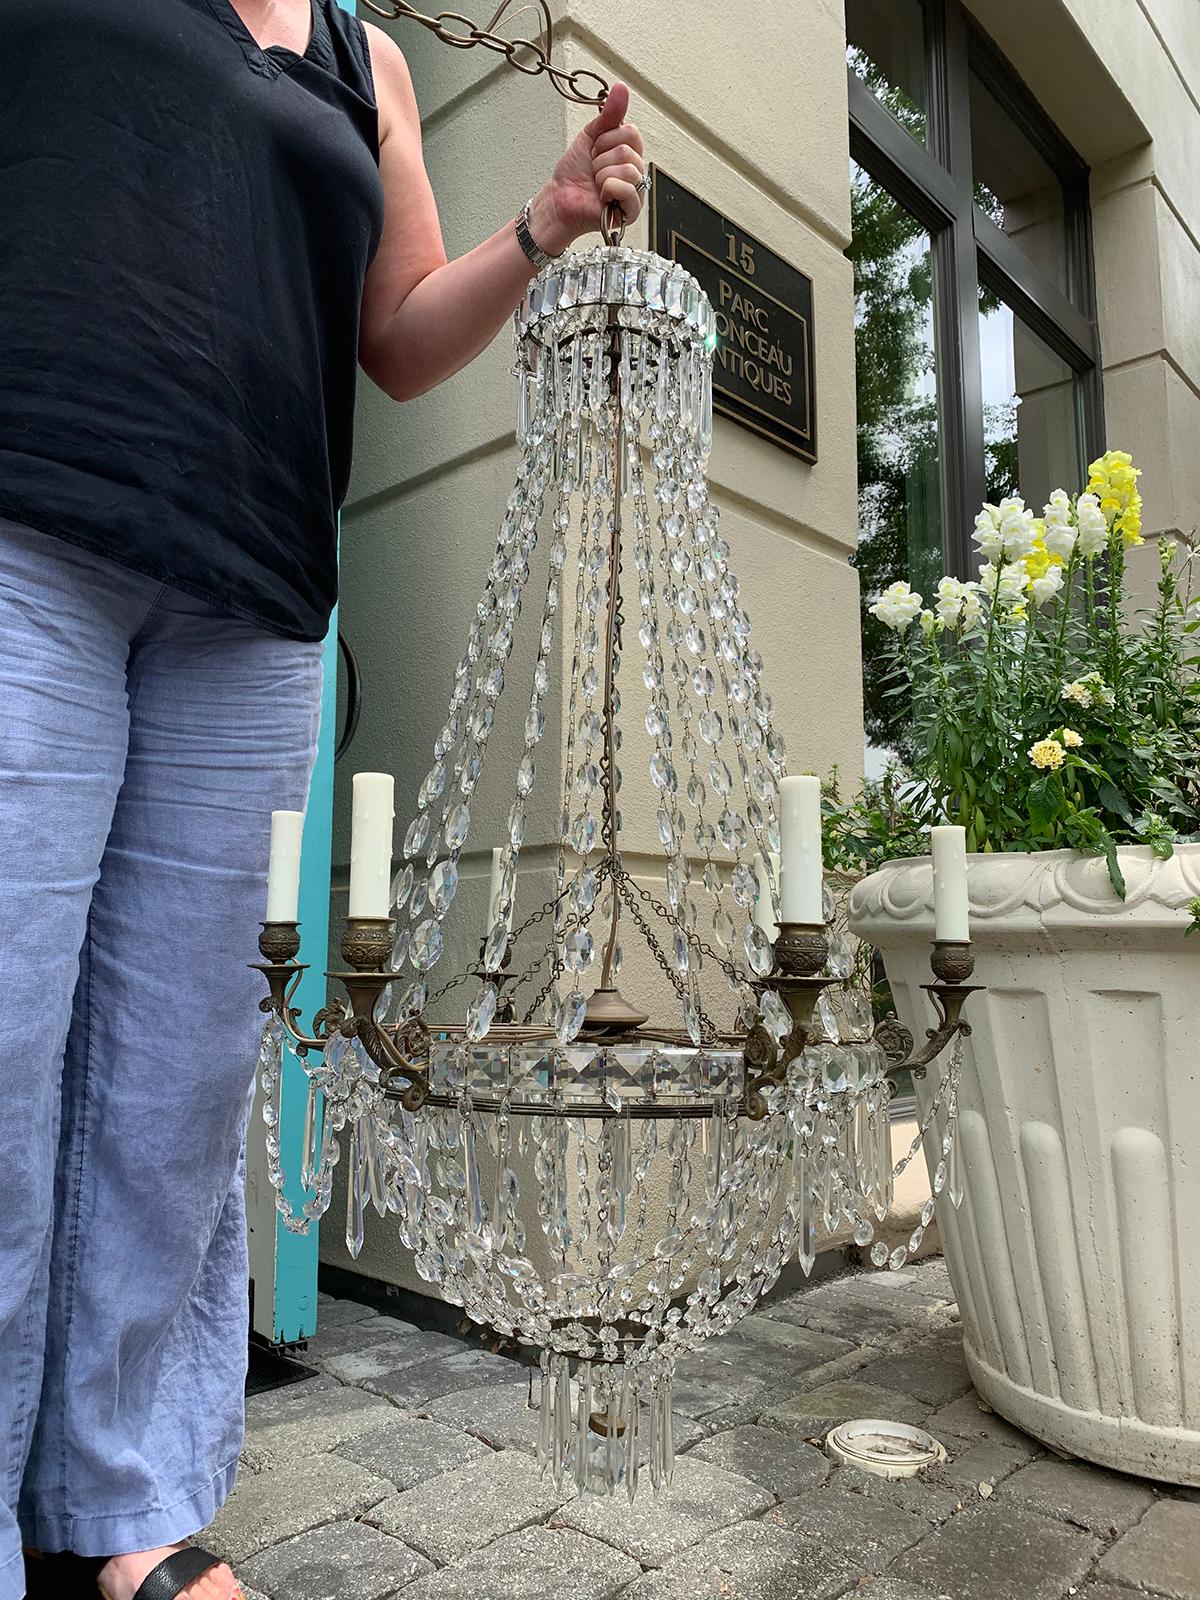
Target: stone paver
[[856, 1533], [702, 1498], [927, 1496], [1101, 1502], [1000, 1552], [497, 1413], [411, 1450], [266, 1507], [889, 1588], [1161, 1553], [376, 1360], [773, 1458], [864, 1308], [968, 1418], [460, 1511], [414, 1386], [314, 1422], [534, 1564], [336, 1338], [934, 1369], [345, 1560], [1112, 1591], [806, 1347], [749, 1561], [333, 1313], [986, 1461], [817, 1410]]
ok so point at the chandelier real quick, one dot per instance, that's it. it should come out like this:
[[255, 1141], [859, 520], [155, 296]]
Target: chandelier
[[608, 1188]]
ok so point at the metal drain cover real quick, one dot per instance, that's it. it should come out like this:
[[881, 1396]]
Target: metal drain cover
[[888, 1449]]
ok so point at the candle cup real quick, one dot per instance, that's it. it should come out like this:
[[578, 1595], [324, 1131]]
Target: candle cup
[[952, 960], [279, 942], [367, 943]]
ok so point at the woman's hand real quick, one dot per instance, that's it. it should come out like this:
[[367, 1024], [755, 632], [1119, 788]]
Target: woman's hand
[[604, 162]]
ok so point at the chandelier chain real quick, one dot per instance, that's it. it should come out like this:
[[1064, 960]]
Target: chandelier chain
[[708, 1026], [533, 57]]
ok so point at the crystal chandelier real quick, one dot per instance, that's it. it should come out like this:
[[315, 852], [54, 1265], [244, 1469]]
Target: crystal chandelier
[[610, 1190]]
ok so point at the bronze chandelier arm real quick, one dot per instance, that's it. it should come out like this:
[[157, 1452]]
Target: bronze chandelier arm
[[530, 56], [897, 1042]]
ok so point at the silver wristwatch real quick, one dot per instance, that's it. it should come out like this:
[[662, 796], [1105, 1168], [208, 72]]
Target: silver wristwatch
[[528, 243]]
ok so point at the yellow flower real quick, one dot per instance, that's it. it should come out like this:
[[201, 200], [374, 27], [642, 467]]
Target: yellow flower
[[1047, 753], [1071, 739], [1113, 478]]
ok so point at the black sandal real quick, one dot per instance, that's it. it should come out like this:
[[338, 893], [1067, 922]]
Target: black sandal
[[59, 1576]]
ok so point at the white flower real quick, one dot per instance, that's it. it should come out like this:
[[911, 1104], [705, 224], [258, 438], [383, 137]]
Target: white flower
[[1059, 539], [1077, 693], [1006, 586], [898, 606], [987, 533], [1071, 739], [1093, 528], [1057, 511], [958, 605], [1016, 528], [929, 623], [1046, 587]]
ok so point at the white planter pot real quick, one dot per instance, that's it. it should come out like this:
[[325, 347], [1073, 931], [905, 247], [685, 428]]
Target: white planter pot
[[1076, 1252]]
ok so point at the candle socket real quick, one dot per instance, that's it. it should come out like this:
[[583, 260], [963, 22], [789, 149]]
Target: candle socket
[[801, 949], [279, 942], [952, 960], [367, 944]]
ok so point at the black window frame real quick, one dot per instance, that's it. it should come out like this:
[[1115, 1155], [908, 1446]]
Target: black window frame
[[935, 182]]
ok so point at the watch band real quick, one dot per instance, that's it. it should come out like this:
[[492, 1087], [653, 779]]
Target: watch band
[[528, 243]]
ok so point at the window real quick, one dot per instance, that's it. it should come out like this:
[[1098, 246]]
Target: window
[[978, 358]]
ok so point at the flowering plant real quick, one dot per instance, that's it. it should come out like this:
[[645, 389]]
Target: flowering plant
[[1047, 710]]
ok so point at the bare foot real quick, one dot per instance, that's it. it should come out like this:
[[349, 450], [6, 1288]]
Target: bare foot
[[122, 1577]]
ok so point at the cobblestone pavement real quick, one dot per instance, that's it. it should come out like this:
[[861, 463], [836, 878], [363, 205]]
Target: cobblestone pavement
[[406, 1468]]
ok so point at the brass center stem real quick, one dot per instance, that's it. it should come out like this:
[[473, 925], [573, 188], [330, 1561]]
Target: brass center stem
[[610, 655], [610, 650]]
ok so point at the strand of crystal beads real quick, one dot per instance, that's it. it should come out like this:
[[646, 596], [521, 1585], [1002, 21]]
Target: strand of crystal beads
[[465, 738], [733, 669], [703, 831], [581, 828], [481, 1013], [739, 669], [584, 485], [672, 831], [317, 1177]]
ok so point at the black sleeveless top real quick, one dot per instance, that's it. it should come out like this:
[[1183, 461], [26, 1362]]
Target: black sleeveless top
[[186, 222]]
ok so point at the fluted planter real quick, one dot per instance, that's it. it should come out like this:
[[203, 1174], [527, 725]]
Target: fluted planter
[[1076, 1252]]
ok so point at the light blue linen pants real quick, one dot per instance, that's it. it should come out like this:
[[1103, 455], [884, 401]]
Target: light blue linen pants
[[144, 740]]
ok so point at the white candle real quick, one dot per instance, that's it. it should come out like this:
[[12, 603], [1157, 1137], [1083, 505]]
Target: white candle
[[494, 888], [283, 867], [764, 906], [371, 844], [951, 916], [800, 851]]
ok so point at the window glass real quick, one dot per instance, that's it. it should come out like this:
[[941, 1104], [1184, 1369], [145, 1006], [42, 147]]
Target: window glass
[[899, 486], [1016, 187], [1030, 412], [885, 47]]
